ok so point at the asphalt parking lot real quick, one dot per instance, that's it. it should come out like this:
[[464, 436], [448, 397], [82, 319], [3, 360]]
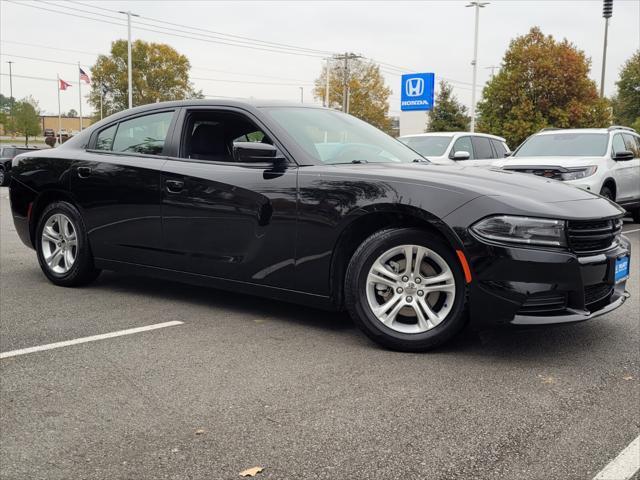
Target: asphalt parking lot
[[244, 382]]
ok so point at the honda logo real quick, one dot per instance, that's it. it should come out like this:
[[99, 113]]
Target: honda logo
[[414, 87]]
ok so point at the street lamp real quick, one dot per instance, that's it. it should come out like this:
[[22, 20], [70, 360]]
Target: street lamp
[[477, 6], [129, 71], [607, 13]]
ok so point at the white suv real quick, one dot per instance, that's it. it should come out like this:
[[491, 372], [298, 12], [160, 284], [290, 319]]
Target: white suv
[[470, 149], [602, 160]]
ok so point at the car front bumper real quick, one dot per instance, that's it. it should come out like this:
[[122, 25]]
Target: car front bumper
[[526, 286]]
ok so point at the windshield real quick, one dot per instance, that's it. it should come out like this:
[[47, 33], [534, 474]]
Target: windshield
[[564, 145], [433, 146], [332, 137]]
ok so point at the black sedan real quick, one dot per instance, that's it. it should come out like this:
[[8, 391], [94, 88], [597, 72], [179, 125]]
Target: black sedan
[[313, 206], [6, 156]]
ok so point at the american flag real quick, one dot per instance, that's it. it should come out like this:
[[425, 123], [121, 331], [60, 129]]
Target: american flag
[[84, 76]]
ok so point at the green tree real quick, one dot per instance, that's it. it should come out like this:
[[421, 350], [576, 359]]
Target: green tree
[[626, 103], [368, 94], [71, 113], [542, 83], [160, 73], [26, 118], [5, 109], [448, 114]]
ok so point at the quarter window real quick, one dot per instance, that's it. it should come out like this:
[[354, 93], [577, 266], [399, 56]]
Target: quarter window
[[463, 144], [144, 135], [499, 147], [105, 138]]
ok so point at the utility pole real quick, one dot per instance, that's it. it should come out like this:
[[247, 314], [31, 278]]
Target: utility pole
[[326, 86], [80, 94], [607, 13], [301, 94], [10, 89], [477, 6], [345, 84], [101, 94], [492, 68], [129, 68]]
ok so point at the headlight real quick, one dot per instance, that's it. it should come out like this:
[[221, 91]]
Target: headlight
[[578, 173], [527, 230]]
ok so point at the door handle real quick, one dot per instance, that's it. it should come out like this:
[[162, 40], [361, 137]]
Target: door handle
[[174, 186], [84, 172]]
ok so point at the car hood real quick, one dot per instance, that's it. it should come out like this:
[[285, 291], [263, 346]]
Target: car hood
[[509, 191], [564, 162]]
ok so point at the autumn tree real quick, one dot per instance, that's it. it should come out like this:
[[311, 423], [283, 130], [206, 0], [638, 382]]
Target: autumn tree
[[160, 73], [26, 118], [542, 83], [448, 114], [368, 94], [626, 103]]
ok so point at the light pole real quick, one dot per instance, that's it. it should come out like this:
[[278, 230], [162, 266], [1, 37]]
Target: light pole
[[607, 12], [477, 6], [301, 94], [10, 89], [326, 84], [129, 68]]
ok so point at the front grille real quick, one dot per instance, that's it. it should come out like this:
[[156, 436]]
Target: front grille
[[592, 235], [541, 303], [595, 293], [553, 173]]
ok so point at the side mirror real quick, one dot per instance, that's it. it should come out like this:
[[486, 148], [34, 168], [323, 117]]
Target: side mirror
[[507, 154], [253, 152], [461, 155], [623, 156]]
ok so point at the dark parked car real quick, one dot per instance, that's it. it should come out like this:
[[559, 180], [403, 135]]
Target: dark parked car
[[6, 156], [49, 132], [314, 206]]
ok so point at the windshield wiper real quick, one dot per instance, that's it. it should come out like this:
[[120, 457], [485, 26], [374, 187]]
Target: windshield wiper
[[421, 160], [349, 163]]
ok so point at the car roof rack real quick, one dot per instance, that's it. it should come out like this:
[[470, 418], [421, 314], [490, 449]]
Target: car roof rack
[[620, 127]]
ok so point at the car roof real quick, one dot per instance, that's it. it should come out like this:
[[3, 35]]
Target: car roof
[[556, 131], [449, 134]]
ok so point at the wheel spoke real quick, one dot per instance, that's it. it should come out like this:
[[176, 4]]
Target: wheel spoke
[[443, 277], [380, 270], [383, 313], [447, 287], [423, 322], [432, 317], [420, 254], [68, 258], [50, 234], [54, 259], [408, 255]]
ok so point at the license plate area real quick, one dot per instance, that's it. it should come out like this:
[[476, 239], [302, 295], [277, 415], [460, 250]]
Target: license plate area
[[621, 269]]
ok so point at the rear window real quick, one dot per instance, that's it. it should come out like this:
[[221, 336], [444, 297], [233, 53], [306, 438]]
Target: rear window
[[565, 145], [499, 148], [434, 146]]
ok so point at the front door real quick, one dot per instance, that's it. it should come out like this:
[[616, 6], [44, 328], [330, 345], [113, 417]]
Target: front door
[[222, 218]]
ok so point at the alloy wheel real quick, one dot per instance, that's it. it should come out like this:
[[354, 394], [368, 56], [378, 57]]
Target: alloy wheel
[[59, 243], [410, 289]]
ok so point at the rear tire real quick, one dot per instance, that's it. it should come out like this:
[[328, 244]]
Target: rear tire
[[62, 246], [414, 310]]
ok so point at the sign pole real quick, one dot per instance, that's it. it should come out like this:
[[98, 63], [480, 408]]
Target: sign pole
[[59, 114]]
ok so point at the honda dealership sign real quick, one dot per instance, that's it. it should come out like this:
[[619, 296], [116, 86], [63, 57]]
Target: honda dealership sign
[[417, 91]]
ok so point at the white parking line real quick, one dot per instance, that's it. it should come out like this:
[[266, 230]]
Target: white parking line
[[631, 231], [93, 338], [624, 466]]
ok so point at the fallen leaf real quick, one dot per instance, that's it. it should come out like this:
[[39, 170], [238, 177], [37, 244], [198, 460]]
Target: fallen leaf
[[627, 377], [200, 431], [547, 379], [251, 472]]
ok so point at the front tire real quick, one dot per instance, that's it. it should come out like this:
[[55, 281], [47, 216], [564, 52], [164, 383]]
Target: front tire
[[62, 246], [606, 192], [406, 290]]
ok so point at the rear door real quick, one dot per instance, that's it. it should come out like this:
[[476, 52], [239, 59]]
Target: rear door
[[484, 155], [222, 218], [116, 183], [625, 172], [632, 143]]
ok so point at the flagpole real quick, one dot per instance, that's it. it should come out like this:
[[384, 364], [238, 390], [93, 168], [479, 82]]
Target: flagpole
[[80, 94], [59, 114]]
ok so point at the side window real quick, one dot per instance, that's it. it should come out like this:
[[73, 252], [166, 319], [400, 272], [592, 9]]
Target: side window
[[499, 147], [463, 144], [482, 148], [105, 138], [631, 144], [210, 135], [618, 144], [143, 134]]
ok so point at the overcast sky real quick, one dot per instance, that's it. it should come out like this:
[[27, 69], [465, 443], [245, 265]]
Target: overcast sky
[[427, 36]]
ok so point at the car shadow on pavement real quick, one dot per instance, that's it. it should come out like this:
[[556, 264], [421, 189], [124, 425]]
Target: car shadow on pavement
[[220, 299], [524, 344]]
